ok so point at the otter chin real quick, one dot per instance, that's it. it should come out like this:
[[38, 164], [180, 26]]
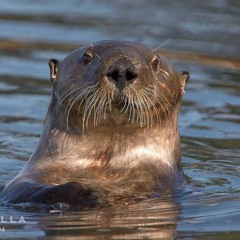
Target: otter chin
[[111, 130]]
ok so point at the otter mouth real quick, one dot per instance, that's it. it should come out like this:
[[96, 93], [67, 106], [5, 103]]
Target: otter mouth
[[94, 105], [119, 101]]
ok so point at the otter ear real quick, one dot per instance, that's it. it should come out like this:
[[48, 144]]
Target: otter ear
[[184, 79], [53, 65]]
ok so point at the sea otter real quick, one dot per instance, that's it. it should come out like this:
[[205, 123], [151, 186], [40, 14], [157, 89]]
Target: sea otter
[[111, 129]]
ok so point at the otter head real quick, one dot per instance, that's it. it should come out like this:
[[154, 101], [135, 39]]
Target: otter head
[[116, 82]]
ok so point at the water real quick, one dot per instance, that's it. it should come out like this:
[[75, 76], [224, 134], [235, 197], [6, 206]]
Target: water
[[205, 40]]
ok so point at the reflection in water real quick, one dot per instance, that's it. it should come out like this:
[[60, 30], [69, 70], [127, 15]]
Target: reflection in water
[[156, 219], [204, 40]]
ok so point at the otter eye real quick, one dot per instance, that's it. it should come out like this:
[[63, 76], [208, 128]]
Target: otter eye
[[155, 64], [87, 58]]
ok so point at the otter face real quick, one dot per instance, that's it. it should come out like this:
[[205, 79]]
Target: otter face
[[97, 82]]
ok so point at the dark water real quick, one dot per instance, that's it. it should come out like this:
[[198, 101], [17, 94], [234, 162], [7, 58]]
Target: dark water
[[205, 40]]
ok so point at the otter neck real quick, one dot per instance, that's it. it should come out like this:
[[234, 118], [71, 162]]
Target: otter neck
[[115, 142]]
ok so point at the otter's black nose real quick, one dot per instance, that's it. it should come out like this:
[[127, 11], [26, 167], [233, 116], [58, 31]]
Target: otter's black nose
[[122, 72]]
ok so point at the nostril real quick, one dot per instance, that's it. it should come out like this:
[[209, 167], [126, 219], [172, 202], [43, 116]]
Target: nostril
[[130, 75], [114, 75]]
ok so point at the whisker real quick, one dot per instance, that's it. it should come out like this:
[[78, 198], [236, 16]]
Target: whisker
[[98, 113], [85, 95], [153, 105], [146, 108], [164, 72], [69, 107], [162, 44], [140, 106], [71, 90], [89, 105], [161, 100]]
